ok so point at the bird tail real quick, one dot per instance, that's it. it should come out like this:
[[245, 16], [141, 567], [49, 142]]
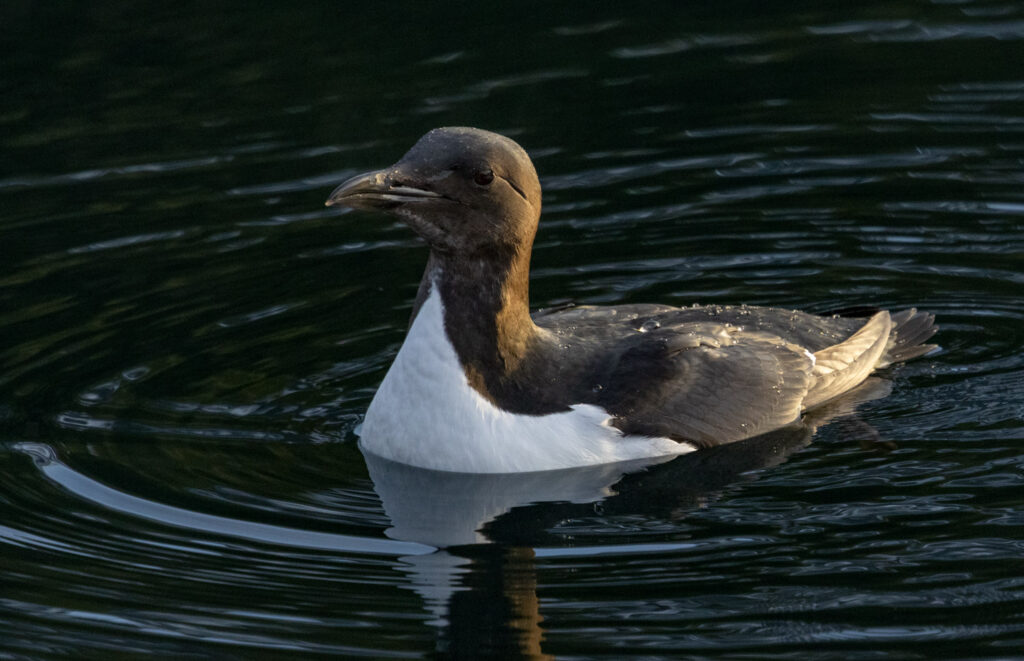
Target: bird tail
[[910, 329]]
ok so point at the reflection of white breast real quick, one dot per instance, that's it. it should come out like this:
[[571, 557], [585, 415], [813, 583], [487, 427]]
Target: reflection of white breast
[[441, 508], [426, 414]]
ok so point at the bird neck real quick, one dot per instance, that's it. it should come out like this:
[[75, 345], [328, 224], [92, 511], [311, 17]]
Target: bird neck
[[486, 309]]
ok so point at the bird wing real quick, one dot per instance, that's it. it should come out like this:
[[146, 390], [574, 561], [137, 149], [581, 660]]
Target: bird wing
[[708, 385], [712, 375], [840, 367]]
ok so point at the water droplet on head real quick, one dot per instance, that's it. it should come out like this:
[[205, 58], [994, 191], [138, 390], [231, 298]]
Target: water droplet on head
[[649, 325]]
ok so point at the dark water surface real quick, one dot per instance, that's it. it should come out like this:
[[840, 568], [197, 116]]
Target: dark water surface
[[188, 338]]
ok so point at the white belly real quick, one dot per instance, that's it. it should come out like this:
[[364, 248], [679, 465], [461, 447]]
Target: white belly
[[426, 414]]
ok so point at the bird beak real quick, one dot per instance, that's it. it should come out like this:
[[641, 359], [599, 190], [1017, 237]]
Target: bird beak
[[374, 190]]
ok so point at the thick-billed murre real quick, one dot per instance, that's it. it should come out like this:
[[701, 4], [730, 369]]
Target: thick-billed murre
[[481, 385]]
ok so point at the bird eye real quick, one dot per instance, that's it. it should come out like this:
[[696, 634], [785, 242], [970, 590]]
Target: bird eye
[[483, 178]]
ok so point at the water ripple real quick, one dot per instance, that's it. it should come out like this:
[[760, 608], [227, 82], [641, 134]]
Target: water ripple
[[190, 339]]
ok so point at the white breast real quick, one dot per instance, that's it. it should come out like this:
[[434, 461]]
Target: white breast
[[426, 414]]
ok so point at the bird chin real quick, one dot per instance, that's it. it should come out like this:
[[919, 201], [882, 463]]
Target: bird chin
[[433, 235]]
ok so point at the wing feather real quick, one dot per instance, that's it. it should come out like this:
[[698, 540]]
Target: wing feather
[[842, 366], [717, 386]]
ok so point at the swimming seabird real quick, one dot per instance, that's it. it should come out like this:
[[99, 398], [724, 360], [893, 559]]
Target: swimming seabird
[[480, 385]]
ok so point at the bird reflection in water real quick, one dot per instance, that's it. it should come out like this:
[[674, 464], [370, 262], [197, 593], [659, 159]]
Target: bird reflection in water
[[490, 529]]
